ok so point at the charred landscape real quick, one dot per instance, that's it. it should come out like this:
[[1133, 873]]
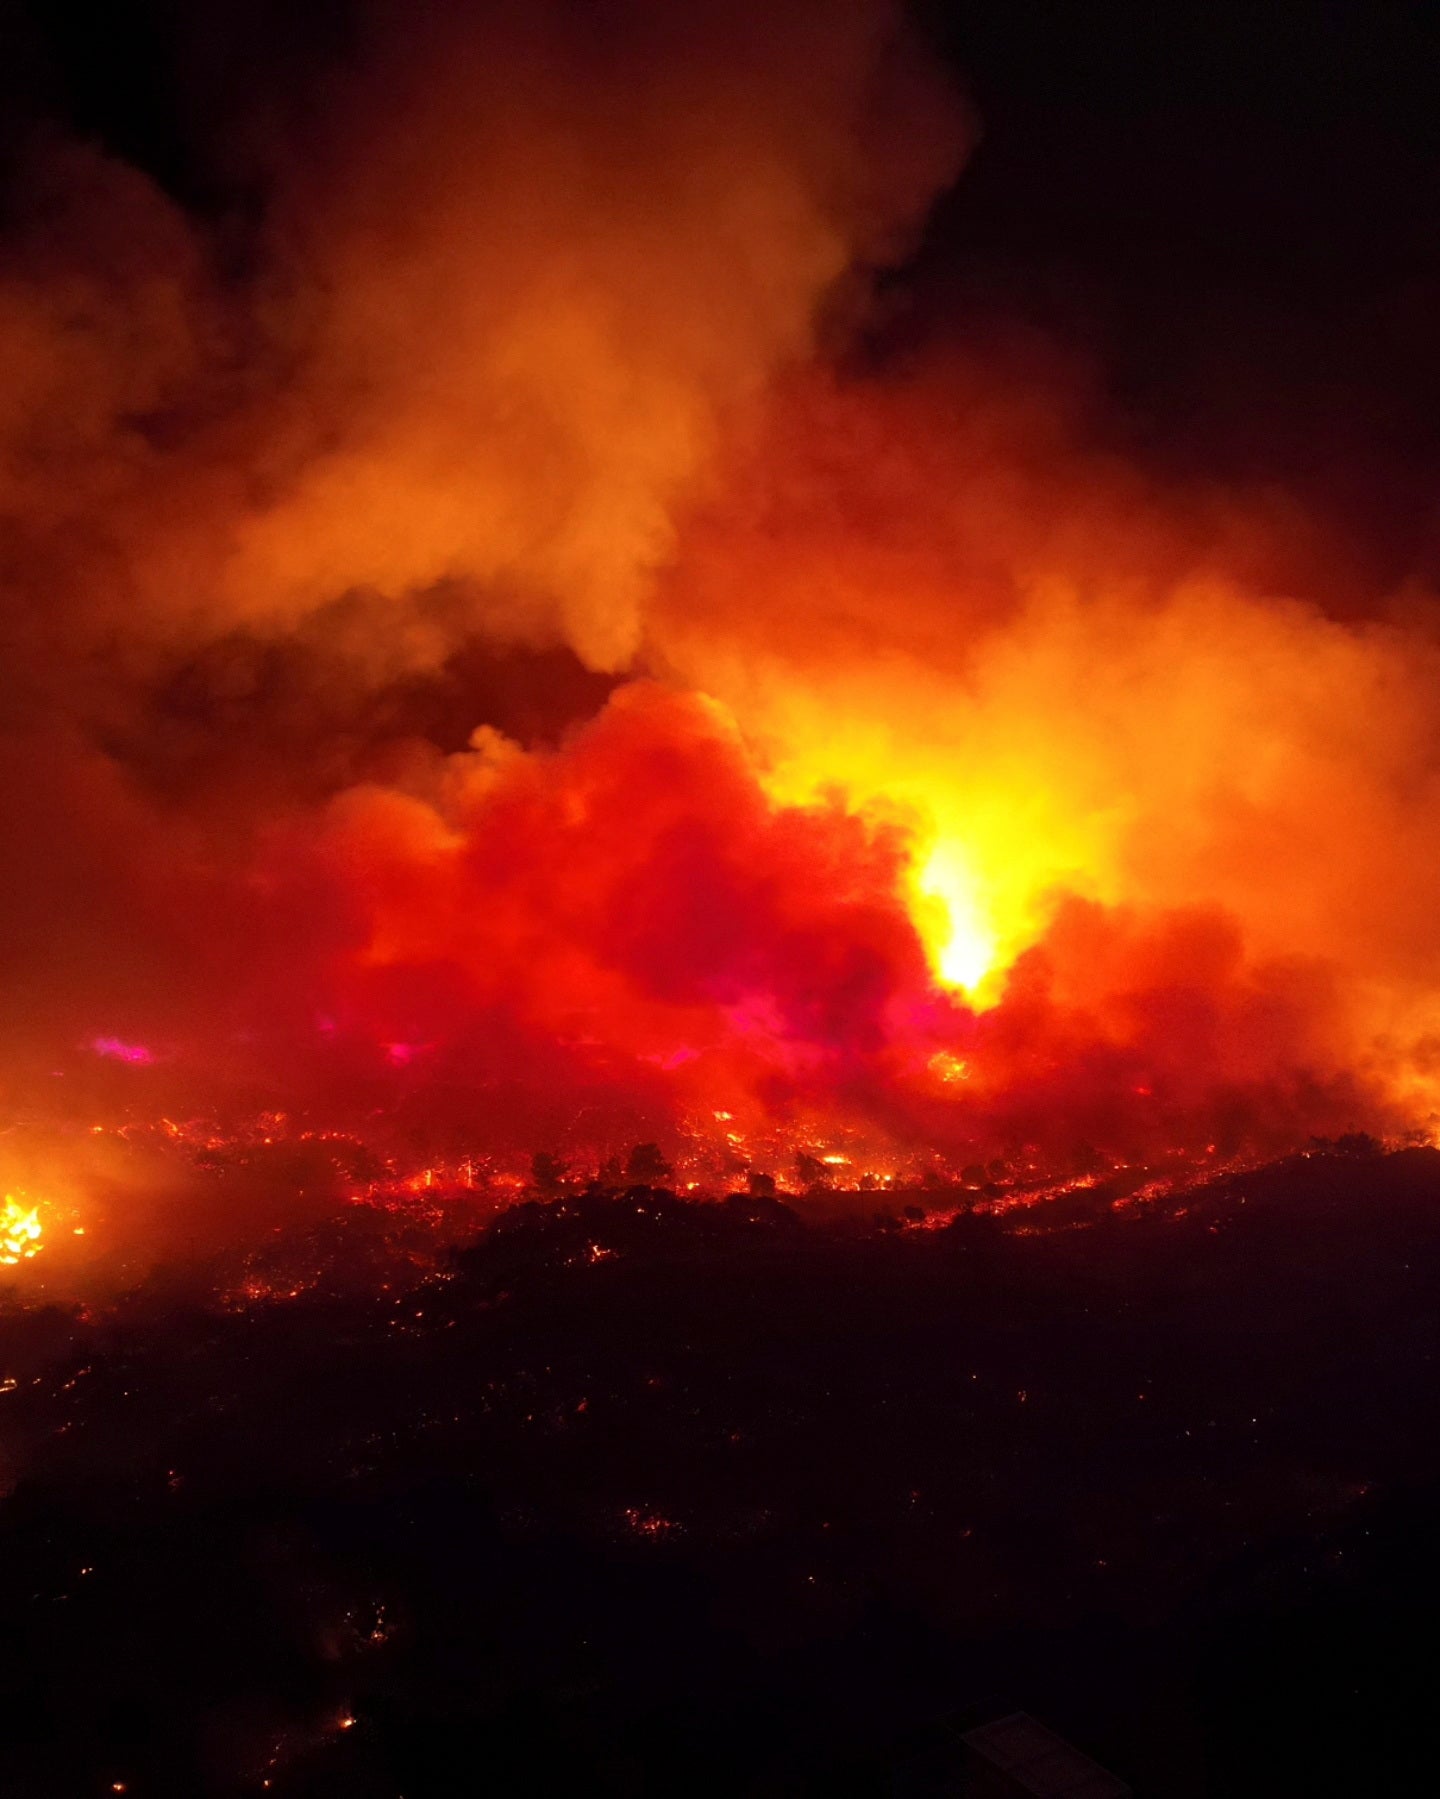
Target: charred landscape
[[635, 1495]]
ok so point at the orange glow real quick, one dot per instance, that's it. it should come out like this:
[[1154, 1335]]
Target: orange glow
[[498, 684]]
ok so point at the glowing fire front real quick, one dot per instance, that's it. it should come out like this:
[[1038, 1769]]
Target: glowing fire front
[[553, 700], [20, 1231]]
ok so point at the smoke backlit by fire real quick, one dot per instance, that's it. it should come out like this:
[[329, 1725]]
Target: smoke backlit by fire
[[941, 782]]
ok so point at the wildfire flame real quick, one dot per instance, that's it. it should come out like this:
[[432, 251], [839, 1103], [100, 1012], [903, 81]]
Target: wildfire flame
[[962, 945], [20, 1231], [495, 683]]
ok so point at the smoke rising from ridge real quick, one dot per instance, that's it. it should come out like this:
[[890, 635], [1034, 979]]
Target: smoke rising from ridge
[[481, 644]]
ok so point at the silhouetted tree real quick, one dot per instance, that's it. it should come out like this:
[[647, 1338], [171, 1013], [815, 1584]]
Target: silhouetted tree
[[547, 1171], [1088, 1160], [646, 1166], [810, 1171]]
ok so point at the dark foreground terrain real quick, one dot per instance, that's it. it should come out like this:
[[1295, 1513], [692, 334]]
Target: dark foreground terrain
[[638, 1497]]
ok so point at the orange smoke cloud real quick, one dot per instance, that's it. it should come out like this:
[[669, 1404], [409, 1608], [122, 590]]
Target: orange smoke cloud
[[933, 594], [518, 272], [953, 780], [639, 901]]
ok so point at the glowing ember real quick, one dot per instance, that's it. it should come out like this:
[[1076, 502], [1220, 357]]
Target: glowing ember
[[642, 1522]]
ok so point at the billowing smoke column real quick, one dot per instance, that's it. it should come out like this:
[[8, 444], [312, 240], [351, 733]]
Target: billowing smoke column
[[476, 647]]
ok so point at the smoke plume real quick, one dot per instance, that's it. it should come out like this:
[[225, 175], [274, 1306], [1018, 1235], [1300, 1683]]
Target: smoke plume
[[492, 637]]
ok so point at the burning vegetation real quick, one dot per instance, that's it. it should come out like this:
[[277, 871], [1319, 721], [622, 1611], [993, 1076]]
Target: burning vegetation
[[676, 922], [516, 654], [20, 1231]]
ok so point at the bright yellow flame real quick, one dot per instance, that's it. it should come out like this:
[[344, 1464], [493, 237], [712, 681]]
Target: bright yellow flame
[[20, 1231], [1001, 820], [961, 943]]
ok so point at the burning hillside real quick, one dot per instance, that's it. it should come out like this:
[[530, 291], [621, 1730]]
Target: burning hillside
[[504, 642], [719, 799]]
